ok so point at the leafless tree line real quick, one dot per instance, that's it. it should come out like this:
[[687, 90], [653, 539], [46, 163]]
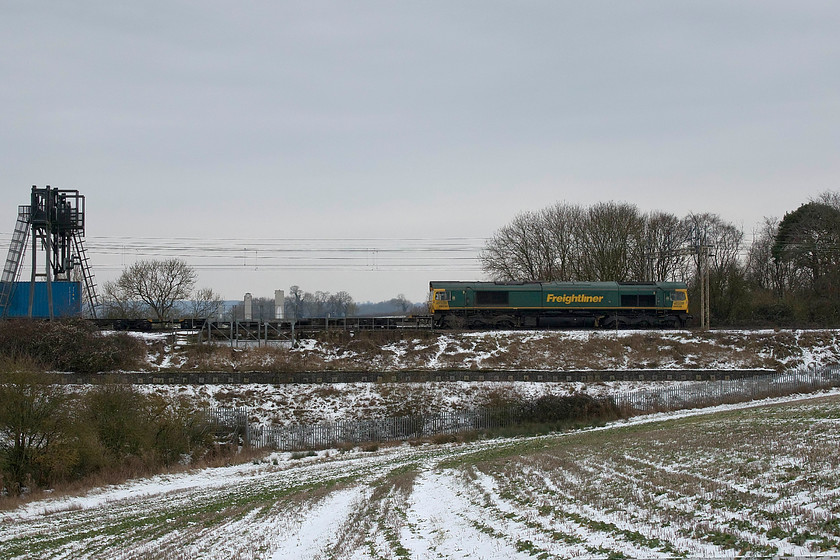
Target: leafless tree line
[[301, 304], [790, 270], [608, 241]]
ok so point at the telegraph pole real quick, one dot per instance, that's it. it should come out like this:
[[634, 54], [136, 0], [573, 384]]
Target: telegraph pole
[[704, 252], [708, 290], [704, 272]]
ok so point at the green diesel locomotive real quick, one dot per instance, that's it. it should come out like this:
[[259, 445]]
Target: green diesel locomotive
[[511, 305]]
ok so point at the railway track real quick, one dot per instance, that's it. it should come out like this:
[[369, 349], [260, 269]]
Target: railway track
[[329, 377], [275, 328]]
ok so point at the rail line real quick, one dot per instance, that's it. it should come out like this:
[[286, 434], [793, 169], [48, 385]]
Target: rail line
[[274, 326], [330, 377]]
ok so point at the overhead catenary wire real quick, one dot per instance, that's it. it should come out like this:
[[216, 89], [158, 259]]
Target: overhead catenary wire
[[231, 253], [308, 253]]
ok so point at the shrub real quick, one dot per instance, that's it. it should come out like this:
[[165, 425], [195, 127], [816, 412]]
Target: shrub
[[500, 398], [69, 345], [49, 436], [118, 416], [439, 439], [573, 409], [36, 440], [146, 427]]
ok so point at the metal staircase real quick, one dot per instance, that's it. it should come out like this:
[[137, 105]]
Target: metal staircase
[[17, 248], [87, 273]]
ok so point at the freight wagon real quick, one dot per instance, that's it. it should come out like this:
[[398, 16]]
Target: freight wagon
[[558, 304]]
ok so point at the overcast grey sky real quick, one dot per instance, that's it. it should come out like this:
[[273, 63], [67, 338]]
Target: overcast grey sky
[[372, 146]]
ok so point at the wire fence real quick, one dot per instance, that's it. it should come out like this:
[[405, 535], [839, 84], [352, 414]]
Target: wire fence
[[233, 422]]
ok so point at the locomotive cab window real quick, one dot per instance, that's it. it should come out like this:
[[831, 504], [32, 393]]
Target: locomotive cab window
[[491, 298], [677, 296], [442, 296]]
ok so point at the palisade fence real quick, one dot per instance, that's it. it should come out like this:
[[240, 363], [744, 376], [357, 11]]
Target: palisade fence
[[234, 423], [710, 393]]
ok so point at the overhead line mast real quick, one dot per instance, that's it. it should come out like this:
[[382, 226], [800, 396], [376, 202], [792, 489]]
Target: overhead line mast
[[703, 253]]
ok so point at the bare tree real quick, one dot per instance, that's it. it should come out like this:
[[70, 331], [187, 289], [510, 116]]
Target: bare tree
[[401, 303], [514, 252], [725, 238], [204, 303], [561, 223], [158, 284], [535, 246], [341, 304], [300, 304], [295, 303], [318, 304], [664, 237], [610, 236], [829, 198], [120, 305], [726, 272], [607, 241], [762, 271]]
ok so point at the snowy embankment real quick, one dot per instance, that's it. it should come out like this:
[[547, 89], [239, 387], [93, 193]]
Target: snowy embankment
[[499, 350], [317, 403], [722, 482], [389, 351]]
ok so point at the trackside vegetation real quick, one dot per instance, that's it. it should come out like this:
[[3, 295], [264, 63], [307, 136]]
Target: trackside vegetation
[[69, 345], [786, 276], [50, 436]]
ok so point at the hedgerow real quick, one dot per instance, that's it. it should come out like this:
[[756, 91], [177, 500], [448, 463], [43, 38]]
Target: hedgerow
[[49, 435], [69, 345]]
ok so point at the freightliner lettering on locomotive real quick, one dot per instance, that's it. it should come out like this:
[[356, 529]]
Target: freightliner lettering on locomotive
[[558, 304]]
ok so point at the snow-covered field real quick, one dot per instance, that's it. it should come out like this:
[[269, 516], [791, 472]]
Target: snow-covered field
[[751, 479]]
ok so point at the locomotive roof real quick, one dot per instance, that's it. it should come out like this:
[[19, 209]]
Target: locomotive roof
[[513, 286]]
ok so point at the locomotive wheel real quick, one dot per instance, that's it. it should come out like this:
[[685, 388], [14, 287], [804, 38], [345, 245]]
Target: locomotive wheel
[[615, 322]]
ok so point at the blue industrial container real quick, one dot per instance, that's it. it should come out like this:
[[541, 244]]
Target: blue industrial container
[[66, 296]]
